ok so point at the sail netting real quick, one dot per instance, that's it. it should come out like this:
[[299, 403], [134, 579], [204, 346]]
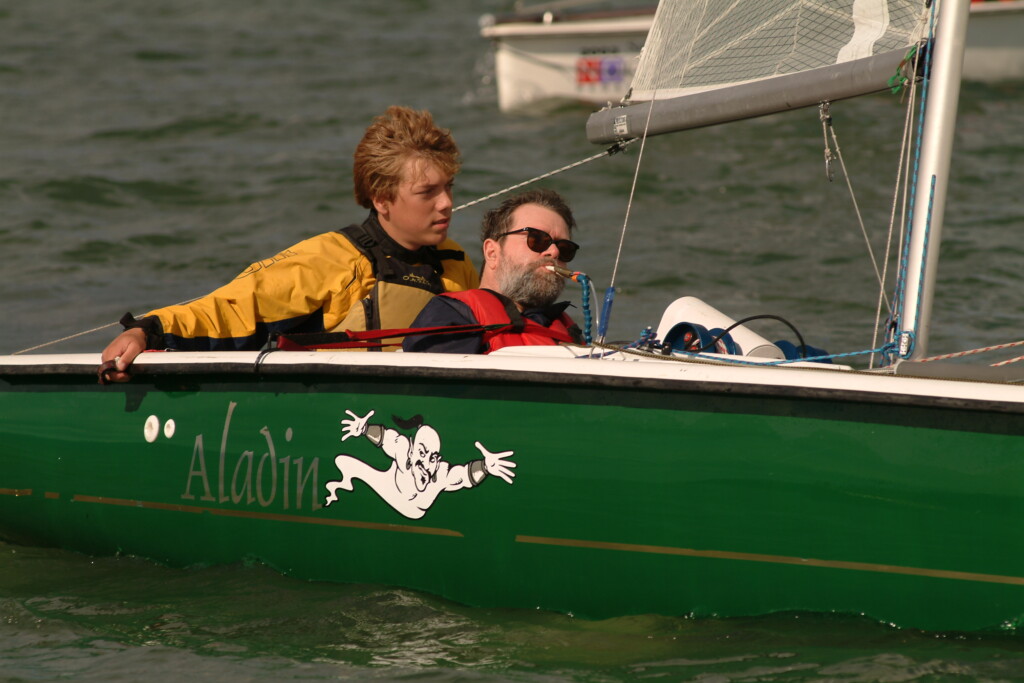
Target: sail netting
[[775, 54], [699, 44]]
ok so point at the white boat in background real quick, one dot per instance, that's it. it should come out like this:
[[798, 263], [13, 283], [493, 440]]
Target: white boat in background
[[995, 41], [545, 55]]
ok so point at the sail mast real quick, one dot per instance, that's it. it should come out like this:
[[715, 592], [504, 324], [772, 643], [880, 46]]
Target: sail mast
[[933, 175]]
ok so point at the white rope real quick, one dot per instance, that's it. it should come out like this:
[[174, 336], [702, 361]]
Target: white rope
[[632, 191], [629, 205], [961, 354], [64, 339], [636, 172], [617, 147], [856, 209], [85, 332]]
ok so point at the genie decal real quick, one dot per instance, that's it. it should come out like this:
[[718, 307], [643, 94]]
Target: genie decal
[[417, 474]]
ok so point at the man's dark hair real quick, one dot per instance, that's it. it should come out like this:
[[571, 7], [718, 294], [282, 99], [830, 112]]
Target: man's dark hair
[[499, 220]]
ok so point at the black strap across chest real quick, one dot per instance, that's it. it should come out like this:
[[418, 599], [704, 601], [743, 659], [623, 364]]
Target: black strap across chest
[[393, 263]]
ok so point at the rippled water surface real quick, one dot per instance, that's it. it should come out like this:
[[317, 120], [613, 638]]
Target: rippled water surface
[[64, 615], [150, 151]]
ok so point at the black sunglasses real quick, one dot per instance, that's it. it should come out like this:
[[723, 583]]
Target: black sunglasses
[[539, 241]]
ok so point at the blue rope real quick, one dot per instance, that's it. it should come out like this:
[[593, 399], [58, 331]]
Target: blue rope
[[647, 337], [887, 348]]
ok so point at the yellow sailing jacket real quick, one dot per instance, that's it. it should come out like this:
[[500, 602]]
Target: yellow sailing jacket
[[323, 283]]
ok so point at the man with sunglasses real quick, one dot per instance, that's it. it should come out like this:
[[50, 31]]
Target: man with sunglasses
[[522, 237]]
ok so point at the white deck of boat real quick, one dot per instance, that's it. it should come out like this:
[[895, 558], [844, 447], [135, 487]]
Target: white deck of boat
[[564, 363]]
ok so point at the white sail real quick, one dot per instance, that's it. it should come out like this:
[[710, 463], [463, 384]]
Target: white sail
[[795, 53], [697, 45], [711, 61]]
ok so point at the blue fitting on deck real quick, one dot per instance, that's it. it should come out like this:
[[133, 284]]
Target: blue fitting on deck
[[606, 312]]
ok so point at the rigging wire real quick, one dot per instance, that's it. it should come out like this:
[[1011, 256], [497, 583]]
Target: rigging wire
[[609, 293], [63, 339], [612, 150], [632, 192], [899, 199], [906, 337], [826, 123], [85, 332]]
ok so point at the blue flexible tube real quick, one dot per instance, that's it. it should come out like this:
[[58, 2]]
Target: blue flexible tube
[[587, 317]]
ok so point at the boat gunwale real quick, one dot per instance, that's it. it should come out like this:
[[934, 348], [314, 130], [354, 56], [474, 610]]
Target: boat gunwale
[[628, 27], [569, 16], [266, 366], [1004, 7]]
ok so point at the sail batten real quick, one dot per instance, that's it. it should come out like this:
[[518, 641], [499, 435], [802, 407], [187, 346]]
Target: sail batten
[[711, 54]]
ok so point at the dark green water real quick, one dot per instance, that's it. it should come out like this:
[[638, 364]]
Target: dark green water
[[150, 151], [63, 615]]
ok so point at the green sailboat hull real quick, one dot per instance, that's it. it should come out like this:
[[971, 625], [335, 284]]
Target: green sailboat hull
[[630, 495]]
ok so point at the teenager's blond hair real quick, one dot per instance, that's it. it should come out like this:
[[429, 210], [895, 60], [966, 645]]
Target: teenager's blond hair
[[394, 137]]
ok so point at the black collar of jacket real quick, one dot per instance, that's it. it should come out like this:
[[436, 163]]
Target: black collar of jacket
[[432, 255], [392, 248]]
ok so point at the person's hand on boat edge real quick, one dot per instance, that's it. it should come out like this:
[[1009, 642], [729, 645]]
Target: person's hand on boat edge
[[119, 355]]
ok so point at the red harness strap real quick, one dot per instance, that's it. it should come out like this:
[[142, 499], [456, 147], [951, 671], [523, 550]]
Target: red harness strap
[[349, 339], [507, 327]]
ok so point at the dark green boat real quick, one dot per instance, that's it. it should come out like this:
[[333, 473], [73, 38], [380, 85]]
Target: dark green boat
[[558, 478], [636, 487]]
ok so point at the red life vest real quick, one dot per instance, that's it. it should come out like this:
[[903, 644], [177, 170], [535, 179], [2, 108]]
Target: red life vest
[[489, 308]]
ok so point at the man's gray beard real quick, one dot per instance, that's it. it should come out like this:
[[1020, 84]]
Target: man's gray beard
[[529, 287]]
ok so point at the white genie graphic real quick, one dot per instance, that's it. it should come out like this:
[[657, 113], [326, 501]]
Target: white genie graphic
[[417, 474]]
